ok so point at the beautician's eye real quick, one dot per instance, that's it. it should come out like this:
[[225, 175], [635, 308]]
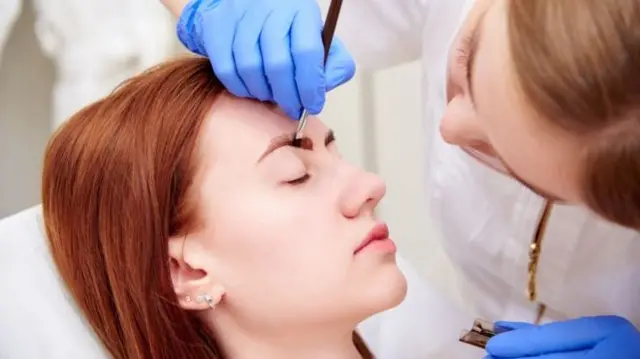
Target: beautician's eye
[[462, 53], [462, 60], [299, 181]]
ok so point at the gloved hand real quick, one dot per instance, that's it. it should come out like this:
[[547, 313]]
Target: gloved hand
[[604, 337], [269, 50]]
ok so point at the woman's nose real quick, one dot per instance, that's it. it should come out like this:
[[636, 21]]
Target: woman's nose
[[362, 195], [460, 126]]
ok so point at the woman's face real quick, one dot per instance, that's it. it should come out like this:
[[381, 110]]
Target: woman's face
[[488, 117], [281, 225]]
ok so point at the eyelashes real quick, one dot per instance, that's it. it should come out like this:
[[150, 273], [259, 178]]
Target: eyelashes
[[306, 177], [300, 180], [462, 58]]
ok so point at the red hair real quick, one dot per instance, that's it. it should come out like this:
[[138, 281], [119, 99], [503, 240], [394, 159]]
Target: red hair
[[116, 186], [116, 176]]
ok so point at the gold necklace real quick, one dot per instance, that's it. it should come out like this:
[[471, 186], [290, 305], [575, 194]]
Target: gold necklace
[[482, 331], [536, 243], [534, 257]]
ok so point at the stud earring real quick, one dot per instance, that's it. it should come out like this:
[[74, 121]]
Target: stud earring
[[187, 299], [206, 298]]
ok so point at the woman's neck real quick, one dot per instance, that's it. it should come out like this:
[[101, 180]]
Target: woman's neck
[[289, 344]]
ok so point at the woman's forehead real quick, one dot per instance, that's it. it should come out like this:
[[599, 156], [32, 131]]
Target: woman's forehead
[[240, 129]]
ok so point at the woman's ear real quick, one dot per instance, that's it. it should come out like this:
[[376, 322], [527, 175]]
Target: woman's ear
[[195, 287]]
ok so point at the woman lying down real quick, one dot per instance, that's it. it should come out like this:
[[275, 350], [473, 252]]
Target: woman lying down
[[185, 225]]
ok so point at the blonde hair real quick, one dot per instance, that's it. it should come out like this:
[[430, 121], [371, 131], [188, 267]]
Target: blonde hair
[[578, 65]]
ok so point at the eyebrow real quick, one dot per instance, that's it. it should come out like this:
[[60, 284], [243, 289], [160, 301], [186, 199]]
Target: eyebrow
[[287, 140], [474, 42]]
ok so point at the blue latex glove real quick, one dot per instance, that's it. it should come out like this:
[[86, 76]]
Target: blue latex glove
[[604, 337], [270, 50]]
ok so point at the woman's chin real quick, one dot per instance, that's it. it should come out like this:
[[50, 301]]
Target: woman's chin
[[395, 291], [386, 292]]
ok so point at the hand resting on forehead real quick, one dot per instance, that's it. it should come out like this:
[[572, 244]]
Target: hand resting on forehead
[[185, 225]]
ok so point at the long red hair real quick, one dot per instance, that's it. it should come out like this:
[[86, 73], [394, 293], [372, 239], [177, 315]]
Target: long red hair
[[116, 187]]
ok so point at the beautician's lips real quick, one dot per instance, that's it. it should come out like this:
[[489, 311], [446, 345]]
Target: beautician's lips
[[378, 237]]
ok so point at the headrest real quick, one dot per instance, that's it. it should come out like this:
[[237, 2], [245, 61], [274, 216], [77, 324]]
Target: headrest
[[37, 316]]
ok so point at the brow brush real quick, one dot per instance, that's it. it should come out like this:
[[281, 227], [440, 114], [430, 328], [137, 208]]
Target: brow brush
[[327, 36]]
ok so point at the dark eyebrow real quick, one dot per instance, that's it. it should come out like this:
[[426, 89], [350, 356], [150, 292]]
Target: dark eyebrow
[[474, 41], [287, 140]]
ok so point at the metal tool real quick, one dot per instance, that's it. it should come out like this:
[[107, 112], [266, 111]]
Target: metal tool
[[480, 333], [327, 36]]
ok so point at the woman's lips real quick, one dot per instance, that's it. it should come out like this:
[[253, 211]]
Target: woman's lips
[[378, 239]]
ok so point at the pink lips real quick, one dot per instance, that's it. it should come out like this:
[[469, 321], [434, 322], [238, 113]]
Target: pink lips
[[378, 238]]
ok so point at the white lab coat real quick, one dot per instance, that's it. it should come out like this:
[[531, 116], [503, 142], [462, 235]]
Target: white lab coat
[[587, 266]]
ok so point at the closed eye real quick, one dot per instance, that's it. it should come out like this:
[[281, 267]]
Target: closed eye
[[463, 57], [308, 145], [300, 180]]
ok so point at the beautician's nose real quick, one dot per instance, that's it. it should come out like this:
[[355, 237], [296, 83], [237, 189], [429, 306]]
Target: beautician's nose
[[362, 194], [460, 126]]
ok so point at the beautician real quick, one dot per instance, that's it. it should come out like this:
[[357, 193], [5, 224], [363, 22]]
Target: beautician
[[535, 176]]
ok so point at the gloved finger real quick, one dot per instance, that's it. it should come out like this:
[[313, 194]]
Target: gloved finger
[[275, 44], [186, 27], [573, 335], [308, 58], [247, 54], [512, 325], [565, 355], [219, 47], [623, 342], [340, 67]]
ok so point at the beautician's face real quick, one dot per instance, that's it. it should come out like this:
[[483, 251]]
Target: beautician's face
[[486, 114], [282, 223]]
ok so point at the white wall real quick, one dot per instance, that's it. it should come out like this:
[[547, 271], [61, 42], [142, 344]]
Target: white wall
[[376, 118], [26, 81]]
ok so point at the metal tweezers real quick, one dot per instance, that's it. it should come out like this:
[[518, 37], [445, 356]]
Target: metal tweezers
[[480, 333], [327, 36]]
